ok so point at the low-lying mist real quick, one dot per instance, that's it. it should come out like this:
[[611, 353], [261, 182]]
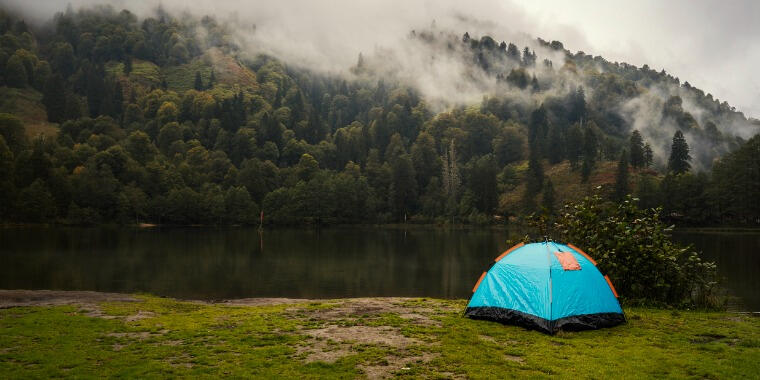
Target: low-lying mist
[[328, 37]]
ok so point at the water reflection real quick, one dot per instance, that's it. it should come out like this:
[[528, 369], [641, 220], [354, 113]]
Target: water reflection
[[206, 263], [213, 264], [738, 258]]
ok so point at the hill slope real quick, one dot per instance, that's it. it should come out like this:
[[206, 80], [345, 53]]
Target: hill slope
[[168, 120]]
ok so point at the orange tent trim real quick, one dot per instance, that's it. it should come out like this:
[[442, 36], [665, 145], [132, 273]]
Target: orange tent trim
[[611, 287], [508, 252], [582, 253], [482, 276]]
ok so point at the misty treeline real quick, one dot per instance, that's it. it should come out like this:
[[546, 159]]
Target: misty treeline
[[166, 120]]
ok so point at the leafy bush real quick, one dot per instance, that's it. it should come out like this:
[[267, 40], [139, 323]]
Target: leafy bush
[[633, 246]]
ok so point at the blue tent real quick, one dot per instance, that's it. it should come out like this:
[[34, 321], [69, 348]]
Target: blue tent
[[546, 286]]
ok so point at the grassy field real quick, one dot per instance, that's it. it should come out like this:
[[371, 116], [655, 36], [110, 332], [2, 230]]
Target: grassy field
[[26, 104], [230, 75], [151, 337], [566, 181]]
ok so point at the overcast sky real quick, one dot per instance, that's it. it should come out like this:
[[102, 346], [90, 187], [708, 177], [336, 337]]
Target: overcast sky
[[715, 45]]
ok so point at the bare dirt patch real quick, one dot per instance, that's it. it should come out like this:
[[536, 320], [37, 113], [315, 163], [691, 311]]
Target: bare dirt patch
[[140, 316], [131, 335], [334, 342], [707, 338], [417, 312], [321, 350], [395, 365], [181, 361], [514, 358], [363, 334]]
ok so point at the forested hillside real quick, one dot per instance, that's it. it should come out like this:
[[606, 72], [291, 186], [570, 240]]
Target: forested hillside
[[105, 117]]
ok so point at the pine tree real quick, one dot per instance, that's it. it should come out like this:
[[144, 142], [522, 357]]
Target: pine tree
[[211, 79], [577, 104], [590, 153], [586, 169], [679, 155], [574, 145], [54, 99], [535, 180], [118, 98], [538, 128], [450, 172], [198, 81], [648, 155], [637, 149], [621, 177], [127, 66], [556, 151], [548, 197], [534, 87], [96, 90]]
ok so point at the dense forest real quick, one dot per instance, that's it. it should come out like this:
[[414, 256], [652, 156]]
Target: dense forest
[[107, 118]]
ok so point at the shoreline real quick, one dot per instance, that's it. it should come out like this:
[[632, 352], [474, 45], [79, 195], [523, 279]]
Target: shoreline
[[10, 298], [390, 226]]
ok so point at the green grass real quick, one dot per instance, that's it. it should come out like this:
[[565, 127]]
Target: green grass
[[144, 73], [182, 77], [566, 182], [26, 104], [159, 337], [230, 75]]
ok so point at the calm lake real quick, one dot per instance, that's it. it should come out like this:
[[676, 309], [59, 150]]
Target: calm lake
[[212, 264]]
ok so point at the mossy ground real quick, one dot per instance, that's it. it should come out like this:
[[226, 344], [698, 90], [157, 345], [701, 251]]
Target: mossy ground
[[158, 337]]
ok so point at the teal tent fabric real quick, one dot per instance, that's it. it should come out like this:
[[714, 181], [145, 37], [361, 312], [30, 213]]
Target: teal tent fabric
[[529, 287]]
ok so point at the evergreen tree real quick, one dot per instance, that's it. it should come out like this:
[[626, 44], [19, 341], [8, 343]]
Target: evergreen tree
[[36, 204], [621, 178], [678, 162], [211, 79], [15, 72], [590, 153], [118, 99], [648, 155], [548, 201], [403, 186], [534, 87], [537, 131], [450, 174], [534, 182], [636, 147], [482, 183], [198, 81], [96, 90], [555, 148], [54, 99], [127, 66], [586, 169], [574, 145], [425, 159], [577, 105], [735, 188]]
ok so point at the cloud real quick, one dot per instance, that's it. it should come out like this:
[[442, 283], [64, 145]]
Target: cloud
[[710, 44]]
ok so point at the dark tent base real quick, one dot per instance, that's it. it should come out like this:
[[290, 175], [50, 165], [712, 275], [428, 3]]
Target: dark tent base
[[518, 318]]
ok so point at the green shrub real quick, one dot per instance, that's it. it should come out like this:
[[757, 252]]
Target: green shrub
[[633, 246]]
